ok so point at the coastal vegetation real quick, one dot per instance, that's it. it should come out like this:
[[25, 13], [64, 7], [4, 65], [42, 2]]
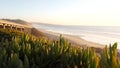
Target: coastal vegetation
[[20, 50]]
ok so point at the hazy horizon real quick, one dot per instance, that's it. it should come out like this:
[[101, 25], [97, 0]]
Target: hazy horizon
[[63, 12]]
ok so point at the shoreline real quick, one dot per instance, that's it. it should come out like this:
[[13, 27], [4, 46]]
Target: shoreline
[[76, 41], [73, 39]]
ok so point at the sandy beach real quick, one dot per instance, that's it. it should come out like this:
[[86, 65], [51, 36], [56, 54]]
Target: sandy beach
[[72, 39], [76, 41]]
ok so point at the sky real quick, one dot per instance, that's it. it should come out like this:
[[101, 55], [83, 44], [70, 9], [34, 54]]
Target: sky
[[63, 12]]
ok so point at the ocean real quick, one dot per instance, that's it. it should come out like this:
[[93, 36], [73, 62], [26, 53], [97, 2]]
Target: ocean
[[100, 34]]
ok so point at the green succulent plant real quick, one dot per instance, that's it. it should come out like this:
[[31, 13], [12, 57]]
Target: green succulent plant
[[20, 50]]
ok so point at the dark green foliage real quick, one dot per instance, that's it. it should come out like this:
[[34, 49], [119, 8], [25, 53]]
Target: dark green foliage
[[8, 34], [109, 57], [19, 50]]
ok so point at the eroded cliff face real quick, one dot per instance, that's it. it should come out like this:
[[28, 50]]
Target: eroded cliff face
[[4, 24], [20, 25]]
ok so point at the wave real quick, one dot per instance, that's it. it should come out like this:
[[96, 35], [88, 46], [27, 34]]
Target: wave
[[102, 35]]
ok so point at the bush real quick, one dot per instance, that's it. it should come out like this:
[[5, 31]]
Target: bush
[[27, 51]]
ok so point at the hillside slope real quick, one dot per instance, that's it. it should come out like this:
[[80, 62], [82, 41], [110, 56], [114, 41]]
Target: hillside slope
[[27, 27], [18, 21]]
